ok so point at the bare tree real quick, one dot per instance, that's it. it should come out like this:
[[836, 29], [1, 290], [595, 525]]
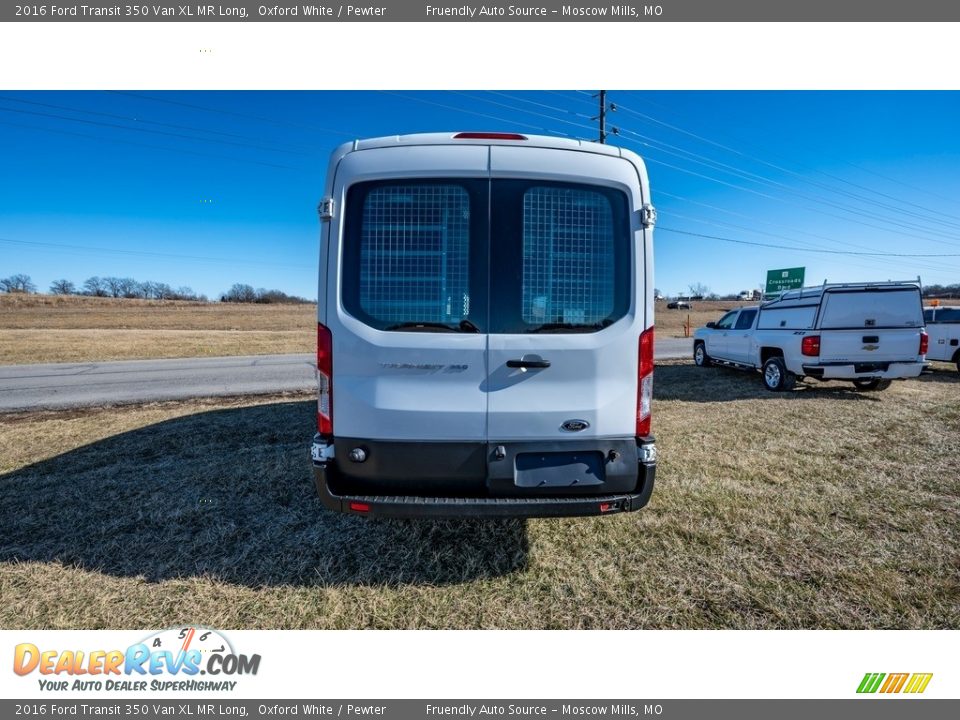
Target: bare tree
[[114, 286], [95, 286], [63, 287], [240, 293], [698, 290], [18, 283], [162, 291], [129, 288]]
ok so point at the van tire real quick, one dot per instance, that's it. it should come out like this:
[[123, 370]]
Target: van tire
[[871, 385], [701, 359], [776, 377]]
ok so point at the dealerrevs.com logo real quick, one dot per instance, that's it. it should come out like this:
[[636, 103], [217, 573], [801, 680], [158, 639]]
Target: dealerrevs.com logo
[[910, 683], [172, 659]]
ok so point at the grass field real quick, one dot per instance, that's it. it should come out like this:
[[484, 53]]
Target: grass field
[[819, 508], [43, 328]]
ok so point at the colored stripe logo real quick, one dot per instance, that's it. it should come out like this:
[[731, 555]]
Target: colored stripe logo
[[914, 683]]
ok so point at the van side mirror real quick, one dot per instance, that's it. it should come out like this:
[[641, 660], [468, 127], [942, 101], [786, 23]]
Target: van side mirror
[[711, 325]]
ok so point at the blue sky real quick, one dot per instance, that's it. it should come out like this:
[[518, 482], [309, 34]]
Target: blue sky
[[210, 188]]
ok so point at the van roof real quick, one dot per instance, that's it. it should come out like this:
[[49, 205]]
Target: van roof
[[487, 138]]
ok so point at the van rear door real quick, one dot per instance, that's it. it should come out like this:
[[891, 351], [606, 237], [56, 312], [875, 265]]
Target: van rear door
[[567, 294], [408, 309], [870, 324]]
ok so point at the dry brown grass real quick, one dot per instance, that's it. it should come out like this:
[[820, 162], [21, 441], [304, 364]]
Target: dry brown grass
[[43, 328], [819, 508], [669, 323], [99, 329], [89, 313], [21, 347]]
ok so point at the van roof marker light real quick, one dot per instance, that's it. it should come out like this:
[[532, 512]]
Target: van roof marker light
[[488, 136]]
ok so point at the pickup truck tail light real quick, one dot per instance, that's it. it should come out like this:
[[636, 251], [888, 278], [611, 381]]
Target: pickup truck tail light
[[324, 380], [644, 382], [810, 345], [924, 342]]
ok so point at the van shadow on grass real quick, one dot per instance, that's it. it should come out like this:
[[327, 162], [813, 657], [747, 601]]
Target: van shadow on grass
[[689, 383], [228, 494]]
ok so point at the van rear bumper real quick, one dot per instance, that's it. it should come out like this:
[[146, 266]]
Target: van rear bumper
[[865, 370], [337, 494]]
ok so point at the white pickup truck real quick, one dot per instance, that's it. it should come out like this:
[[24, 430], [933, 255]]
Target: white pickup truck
[[869, 333], [943, 326]]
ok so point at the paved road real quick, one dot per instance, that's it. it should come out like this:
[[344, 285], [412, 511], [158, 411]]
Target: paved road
[[63, 385]]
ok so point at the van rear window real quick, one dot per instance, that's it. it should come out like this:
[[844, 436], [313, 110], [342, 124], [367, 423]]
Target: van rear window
[[411, 256], [506, 256], [567, 256]]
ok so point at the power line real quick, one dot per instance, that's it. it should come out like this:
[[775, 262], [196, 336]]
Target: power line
[[251, 142], [163, 148], [514, 108], [233, 113], [738, 187], [748, 176], [716, 208], [870, 256], [763, 180], [115, 126], [900, 201], [883, 228], [513, 123], [800, 249], [741, 153]]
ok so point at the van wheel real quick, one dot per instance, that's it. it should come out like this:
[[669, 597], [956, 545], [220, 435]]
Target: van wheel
[[701, 358], [875, 384], [776, 377]]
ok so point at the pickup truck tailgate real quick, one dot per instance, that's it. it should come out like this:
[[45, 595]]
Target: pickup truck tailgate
[[871, 325], [870, 346]]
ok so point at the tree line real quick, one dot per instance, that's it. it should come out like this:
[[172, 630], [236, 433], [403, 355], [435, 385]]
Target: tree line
[[117, 287]]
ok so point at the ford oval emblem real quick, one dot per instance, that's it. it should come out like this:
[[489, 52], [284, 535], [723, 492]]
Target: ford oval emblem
[[575, 425]]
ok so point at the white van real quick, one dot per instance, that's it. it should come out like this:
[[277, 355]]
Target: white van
[[485, 328]]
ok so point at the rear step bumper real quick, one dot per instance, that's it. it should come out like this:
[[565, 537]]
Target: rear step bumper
[[412, 507], [865, 370], [424, 506]]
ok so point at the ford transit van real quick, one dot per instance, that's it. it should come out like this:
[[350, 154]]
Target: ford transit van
[[485, 328]]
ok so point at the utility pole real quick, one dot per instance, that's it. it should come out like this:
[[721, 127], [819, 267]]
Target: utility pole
[[602, 117]]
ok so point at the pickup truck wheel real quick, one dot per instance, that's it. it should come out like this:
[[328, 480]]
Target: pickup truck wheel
[[875, 384], [700, 357], [776, 377]]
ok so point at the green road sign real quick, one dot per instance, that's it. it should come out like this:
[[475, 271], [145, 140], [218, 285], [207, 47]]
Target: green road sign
[[785, 279]]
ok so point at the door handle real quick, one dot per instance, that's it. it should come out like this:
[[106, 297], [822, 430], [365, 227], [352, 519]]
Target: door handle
[[528, 364]]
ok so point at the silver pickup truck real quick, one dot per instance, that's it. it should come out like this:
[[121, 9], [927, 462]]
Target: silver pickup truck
[[868, 333]]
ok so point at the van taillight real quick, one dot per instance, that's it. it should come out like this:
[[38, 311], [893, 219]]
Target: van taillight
[[488, 136], [324, 380], [644, 382], [810, 345], [924, 342]]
